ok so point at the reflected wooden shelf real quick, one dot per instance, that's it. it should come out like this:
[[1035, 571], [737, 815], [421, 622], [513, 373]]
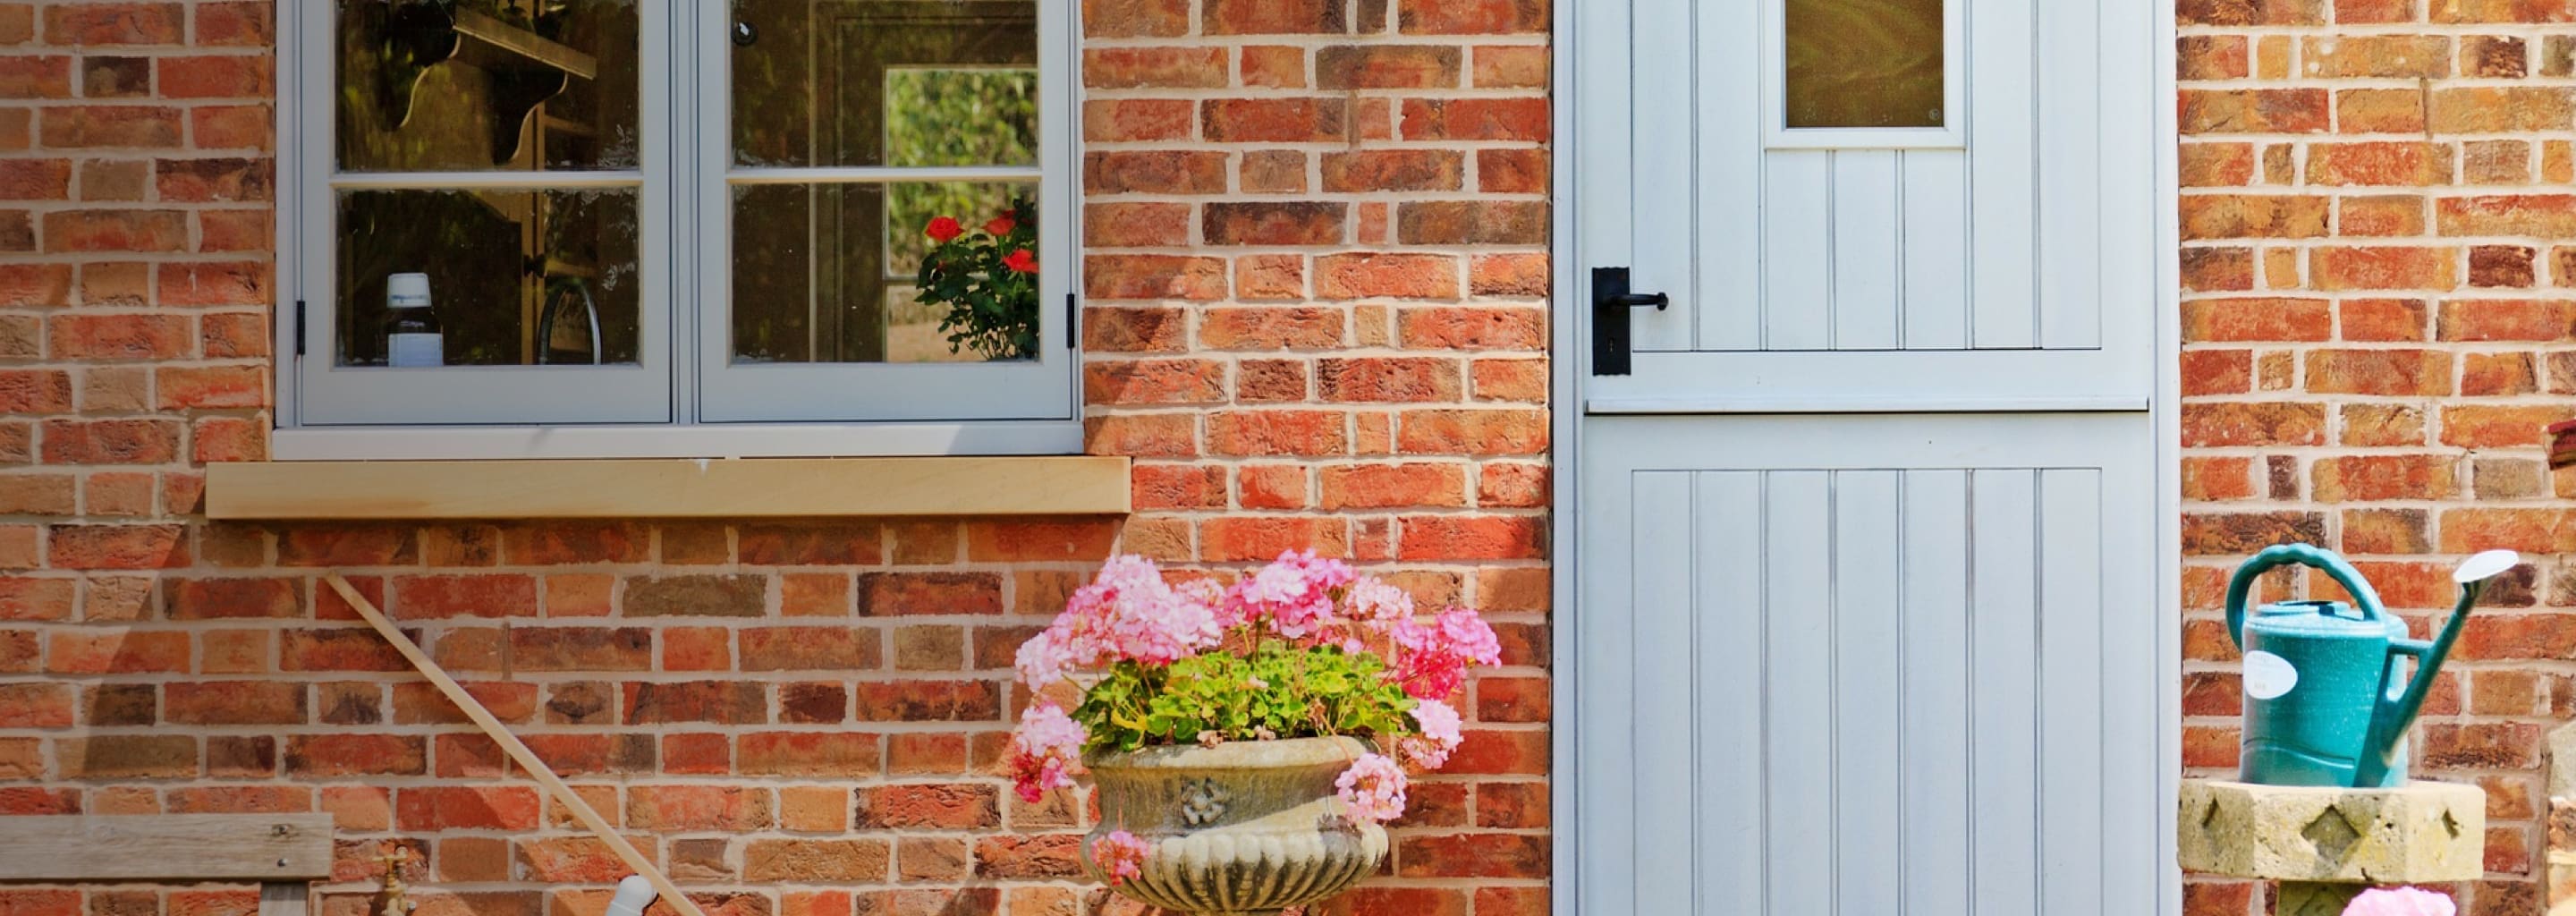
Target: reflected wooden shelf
[[488, 36]]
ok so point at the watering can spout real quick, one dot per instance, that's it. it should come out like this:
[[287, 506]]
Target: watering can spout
[[2395, 714]]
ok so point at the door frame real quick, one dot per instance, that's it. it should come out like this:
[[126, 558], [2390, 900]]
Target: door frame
[[1570, 369]]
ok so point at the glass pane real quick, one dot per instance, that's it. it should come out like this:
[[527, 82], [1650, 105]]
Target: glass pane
[[512, 278], [1865, 63], [481, 85], [884, 82], [899, 273]]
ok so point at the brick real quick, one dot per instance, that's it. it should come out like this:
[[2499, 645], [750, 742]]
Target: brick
[[212, 284], [930, 807], [836, 755], [2482, 426], [1274, 17], [1371, 275], [423, 808], [101, 126], [1480, 222], [117, 547], [1154, 172], [1135, 18], [2269, 111], [1447, 537], [810, 649], [2250, 12], [940, 593], [1290, 432], [1273, 224], [1154, 67], [1503, 119], [2384, 267], [1272, 66], [1268, 120], [107, 757], [1393, 486], [1386, 66], [696, 596], [2229, 216], [2267, 319], [2382, 372], [1154, 382], [2495, 109], [216, 76], [1154, 277], [1472, 432], [2507, 320], [114, 24], [234, 703], [2388, 163], [2547, 215]]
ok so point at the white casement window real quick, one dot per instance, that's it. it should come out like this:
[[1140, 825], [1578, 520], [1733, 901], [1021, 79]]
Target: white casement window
[[702, 228]]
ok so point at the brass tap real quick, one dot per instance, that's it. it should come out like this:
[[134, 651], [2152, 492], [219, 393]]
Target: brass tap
[[391, 899]]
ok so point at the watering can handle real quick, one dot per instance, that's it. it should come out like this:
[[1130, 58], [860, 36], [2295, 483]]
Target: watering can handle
[[2308, 555]]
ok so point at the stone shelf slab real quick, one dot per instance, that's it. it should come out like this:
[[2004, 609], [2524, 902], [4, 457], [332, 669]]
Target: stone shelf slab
[[2426, 831]]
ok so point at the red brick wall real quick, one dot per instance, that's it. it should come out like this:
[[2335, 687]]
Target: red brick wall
[[2379, 254], [1316, 264]]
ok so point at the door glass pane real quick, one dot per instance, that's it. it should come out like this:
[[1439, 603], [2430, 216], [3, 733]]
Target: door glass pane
[[884, 82], [903, 272], [1865, 63], [478, 85], [511, 277]]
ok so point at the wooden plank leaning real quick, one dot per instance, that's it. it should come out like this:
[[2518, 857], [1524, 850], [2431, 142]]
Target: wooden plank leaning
[[518, 750], [285, 853]]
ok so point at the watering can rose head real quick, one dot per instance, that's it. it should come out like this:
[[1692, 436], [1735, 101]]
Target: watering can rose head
[[1305, 647], [2400, 901]]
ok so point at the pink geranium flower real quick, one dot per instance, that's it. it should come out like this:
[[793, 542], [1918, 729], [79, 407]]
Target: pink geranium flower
[[1439, 737], [1294, 594], [1373, 788], [2400, 901], [1044, 751], [1431, 659], [1121, 855]]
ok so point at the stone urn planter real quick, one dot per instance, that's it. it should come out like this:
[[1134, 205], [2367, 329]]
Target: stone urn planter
[[1242, 827]]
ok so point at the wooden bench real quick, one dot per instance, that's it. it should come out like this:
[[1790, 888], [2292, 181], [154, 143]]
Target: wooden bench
[[284, 853]]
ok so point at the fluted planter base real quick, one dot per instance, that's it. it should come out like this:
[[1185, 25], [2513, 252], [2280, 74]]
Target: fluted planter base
[[1242, 829]]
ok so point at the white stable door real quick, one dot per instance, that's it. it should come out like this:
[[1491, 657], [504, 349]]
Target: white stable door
[[1866, 615]]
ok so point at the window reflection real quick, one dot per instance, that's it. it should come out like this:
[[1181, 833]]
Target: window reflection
[[1865, 63], [866, 270], [476, 85], [575, 301]]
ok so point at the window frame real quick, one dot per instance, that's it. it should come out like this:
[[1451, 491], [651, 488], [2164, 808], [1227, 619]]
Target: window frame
[[1777, 134], [328, 412]]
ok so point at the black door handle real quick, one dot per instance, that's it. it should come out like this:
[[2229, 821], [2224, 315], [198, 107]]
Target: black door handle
[[1660, 301], [1611, 302]]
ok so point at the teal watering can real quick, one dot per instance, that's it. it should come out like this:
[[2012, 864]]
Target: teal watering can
[[2327, 699]]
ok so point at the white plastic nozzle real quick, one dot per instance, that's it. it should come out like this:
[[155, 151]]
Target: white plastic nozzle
[[633, 895]]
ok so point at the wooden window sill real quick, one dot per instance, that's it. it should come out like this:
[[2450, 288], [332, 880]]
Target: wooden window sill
[[668, 488]]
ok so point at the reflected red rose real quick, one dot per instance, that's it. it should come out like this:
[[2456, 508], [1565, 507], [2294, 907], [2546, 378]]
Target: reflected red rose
[[1021, 261], [1001, 225], [943, 228]]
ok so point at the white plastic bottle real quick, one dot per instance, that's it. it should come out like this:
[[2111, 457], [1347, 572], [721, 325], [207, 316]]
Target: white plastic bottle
[[412, 337]]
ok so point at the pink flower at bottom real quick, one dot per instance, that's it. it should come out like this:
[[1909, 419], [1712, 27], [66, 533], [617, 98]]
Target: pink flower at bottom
[[1373, 788], [1121, 855], [2400, 901], [1044, 751], [1439, 736]]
